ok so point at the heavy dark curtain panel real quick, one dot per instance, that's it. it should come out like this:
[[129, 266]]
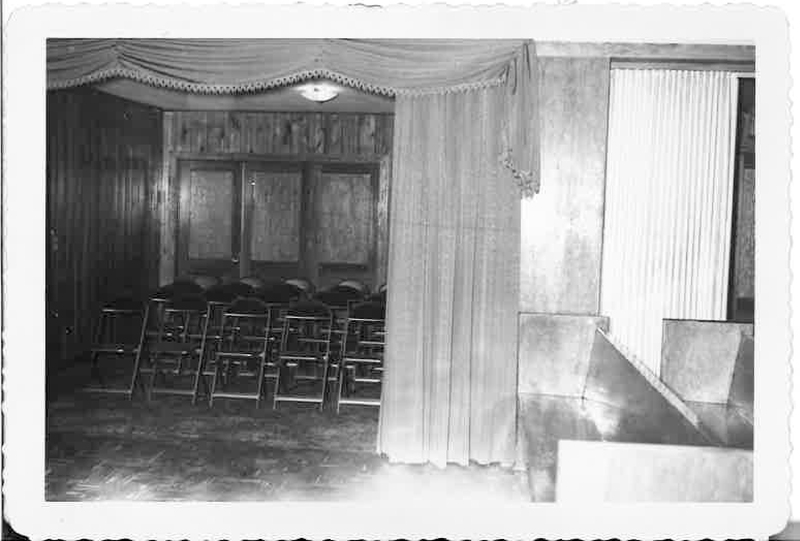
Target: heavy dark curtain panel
[[450, 383]]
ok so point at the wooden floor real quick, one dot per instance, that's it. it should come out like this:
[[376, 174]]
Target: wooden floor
[[103, 447]]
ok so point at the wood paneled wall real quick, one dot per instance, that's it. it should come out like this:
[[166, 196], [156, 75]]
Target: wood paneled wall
[[271, 136], [350, 135], [744, 241], [562, 227], [103, 158]]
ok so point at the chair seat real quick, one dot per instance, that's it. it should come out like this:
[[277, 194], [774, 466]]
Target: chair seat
[[361, 401], [176, 348], [239, 354], [298, 398], [365, 380], [228, 394], [292, 360], [169, 390], [362, 359], [376, 343], [312, 340]]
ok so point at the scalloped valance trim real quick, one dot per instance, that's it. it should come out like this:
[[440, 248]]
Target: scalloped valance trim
[[258, 86]]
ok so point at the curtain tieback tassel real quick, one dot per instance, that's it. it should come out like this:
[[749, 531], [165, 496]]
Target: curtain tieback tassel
[[526, 182]]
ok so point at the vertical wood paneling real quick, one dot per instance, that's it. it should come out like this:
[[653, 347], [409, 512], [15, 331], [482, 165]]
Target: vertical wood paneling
[[261, 129], [562, 226], [211, 197], [384, 186], [334, 134], [346, 137], [317, 129], [215, 129], [199, 135], [345, 210], [184, 131], [234, 132], [276, 216], [668, 203], [103, 159], [166, 232]]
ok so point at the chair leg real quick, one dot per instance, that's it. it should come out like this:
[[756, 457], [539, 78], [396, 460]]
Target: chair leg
[[137, 362], [198, 374], [213, 384], [98, 335], [154, 367], [260, 385], [340, 382], [277, 385], [324, 383]]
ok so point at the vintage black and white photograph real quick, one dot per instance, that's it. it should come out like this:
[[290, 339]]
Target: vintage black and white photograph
[[401, 269]]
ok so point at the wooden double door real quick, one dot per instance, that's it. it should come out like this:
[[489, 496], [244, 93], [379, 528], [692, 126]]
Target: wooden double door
[[279, 220]]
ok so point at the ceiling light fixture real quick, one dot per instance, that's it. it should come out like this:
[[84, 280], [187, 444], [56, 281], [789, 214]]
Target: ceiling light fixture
[[319, 91]]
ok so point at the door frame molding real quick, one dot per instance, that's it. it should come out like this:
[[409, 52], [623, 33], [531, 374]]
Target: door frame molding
[[238, 162]]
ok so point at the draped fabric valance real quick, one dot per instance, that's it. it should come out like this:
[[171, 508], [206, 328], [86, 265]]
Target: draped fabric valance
[[220, 66], [389, 67]]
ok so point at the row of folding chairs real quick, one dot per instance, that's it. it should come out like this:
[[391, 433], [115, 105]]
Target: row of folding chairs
[[308, 289], [195, 342]]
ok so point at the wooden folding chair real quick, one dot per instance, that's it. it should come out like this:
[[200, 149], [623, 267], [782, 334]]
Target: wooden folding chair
[[242, 350], [361, 357], [339, 299], [116, 336], [176, 350], [302, 371]]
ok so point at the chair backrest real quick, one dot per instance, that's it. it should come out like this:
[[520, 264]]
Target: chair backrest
[[179, 288], [280, 293], [227, 293], [247, 307], [309, 310], [206, 281], [245, 326], [378, 297], [364, 331], [368, 311], [183, 317], [255, 282], [354, 284], [119, 321], [339, 297], [303, 284], [188, 303], [307, 325]]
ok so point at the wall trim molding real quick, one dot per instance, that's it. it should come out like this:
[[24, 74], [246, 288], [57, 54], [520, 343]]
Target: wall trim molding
[[714, 53]]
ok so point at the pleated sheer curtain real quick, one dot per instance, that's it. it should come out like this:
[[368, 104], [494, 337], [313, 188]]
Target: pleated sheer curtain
[[449, 390], [669, 189]]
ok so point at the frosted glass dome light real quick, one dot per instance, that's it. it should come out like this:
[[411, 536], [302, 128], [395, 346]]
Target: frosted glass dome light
[[319, 91]]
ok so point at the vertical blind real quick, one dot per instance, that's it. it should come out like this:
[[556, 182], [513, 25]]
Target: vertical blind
[[669, 187]]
